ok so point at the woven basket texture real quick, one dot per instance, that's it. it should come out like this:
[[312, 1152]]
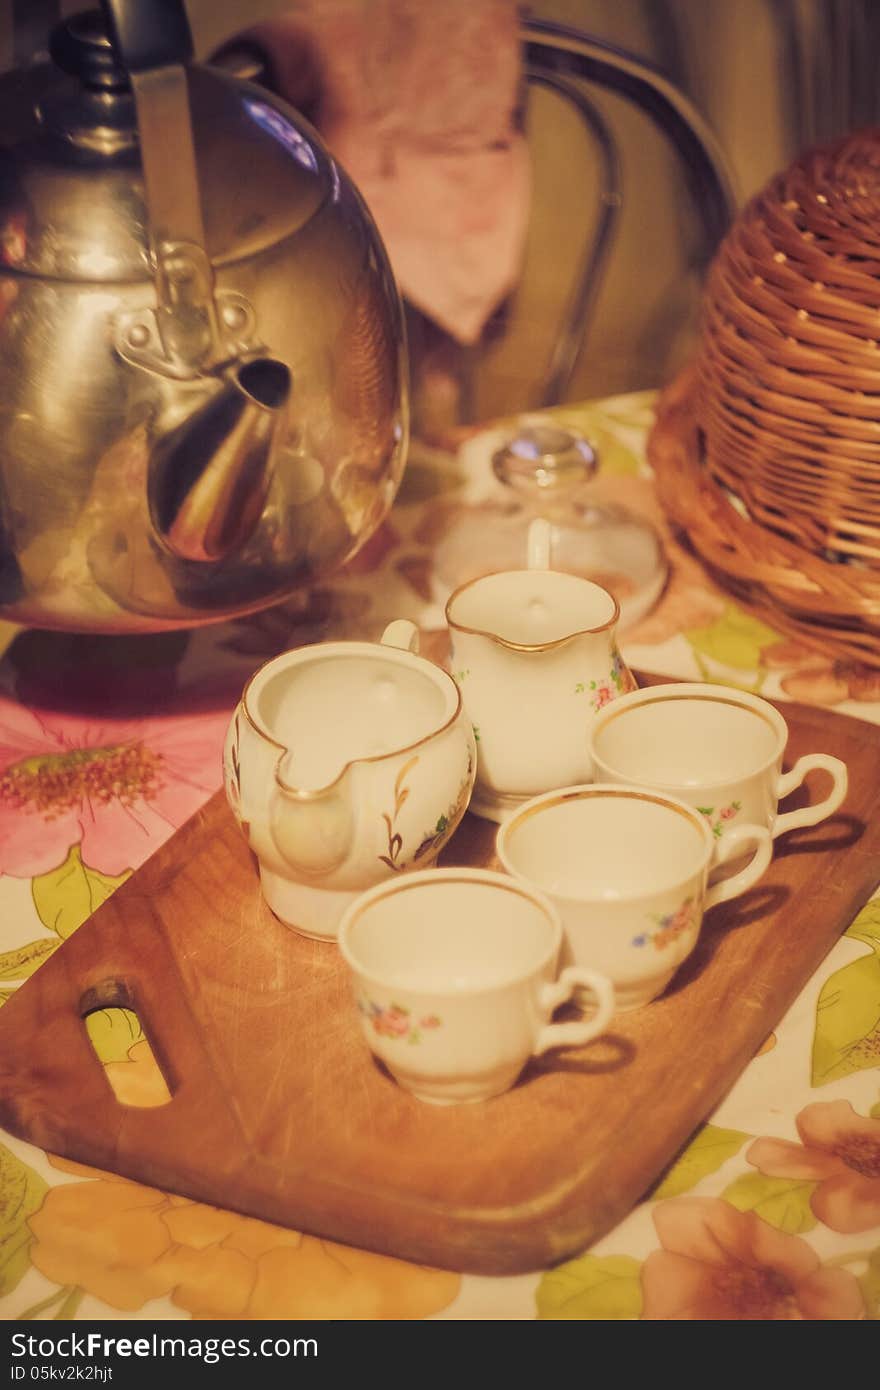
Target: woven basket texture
[[777, 480]]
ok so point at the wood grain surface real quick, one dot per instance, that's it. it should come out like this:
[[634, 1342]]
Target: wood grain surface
[[279, 1111]]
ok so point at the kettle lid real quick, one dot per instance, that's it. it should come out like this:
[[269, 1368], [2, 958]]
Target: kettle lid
[[72, 202]]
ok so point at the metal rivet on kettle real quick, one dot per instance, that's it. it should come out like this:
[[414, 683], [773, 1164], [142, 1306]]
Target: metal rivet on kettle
[[234, 316]]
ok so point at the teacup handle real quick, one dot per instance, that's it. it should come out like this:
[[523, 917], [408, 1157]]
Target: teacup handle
[[401, 634], [734, 843], [557, 992], [539, 544], [811, 815]]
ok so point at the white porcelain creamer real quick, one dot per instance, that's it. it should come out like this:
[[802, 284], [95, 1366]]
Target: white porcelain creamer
[[346, 763]]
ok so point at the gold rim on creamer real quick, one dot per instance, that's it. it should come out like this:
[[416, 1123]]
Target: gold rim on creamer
[[427, 878], [311, 793], [530, 646]]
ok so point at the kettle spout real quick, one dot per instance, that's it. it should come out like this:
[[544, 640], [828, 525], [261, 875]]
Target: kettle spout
[[210, 476]]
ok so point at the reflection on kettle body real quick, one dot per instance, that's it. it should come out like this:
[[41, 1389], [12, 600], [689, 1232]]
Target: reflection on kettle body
[[162, 307]]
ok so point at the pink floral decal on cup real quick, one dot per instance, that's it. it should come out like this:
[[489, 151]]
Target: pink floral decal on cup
[[670, 926], [717, 821], [394, 1021]]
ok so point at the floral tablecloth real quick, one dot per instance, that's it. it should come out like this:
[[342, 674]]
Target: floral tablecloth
[[108, 744]]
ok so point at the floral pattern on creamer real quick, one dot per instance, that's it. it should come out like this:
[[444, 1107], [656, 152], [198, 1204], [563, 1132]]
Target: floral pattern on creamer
[[395, 839], [432, 839], [669, 926], [618, 682], [394, 1021], [232, 775], [447, 822], [718, 818]]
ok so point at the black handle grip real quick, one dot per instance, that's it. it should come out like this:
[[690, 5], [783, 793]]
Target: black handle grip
[[148, 33]]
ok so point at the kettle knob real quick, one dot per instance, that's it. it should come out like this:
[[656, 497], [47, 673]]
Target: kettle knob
[[81, 46], [101, 47]]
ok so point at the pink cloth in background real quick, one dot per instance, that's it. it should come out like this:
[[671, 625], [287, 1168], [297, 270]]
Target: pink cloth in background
[[416, 100]]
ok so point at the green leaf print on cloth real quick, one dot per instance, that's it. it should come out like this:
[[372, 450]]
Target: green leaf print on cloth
[[20, 963], [781, 1202], [66, 896], [711, 1147], [21, 1194], [736, 639], [605, 1288], [870, 1285], [847, 1036]]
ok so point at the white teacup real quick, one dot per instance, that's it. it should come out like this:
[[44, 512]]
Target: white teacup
[[535, 656], [717, 748], [455, 978], [346, 763], [628, 870]]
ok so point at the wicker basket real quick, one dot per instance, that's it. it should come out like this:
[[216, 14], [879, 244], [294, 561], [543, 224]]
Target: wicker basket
[[768, 453]]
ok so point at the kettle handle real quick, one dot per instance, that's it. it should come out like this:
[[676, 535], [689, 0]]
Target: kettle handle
[[183, 337], [148, 33]]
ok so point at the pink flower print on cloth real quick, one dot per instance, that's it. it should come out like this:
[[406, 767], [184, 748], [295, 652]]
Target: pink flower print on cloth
[[394, 1021], [117, 788], [840, 1151], [719, 1264]]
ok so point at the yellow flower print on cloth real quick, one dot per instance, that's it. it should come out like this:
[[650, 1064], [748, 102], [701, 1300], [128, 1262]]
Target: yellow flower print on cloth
[[127, 1244]]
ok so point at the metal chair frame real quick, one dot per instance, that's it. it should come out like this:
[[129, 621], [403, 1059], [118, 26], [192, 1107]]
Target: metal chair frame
[[560, 59]]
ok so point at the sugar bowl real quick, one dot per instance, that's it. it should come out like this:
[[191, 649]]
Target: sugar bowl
[[346, 763]]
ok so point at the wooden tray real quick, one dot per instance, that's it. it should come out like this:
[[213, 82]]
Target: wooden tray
[[278, 1110]]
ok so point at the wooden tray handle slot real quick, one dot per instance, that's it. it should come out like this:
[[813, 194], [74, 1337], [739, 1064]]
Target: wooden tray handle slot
[[133, 969]]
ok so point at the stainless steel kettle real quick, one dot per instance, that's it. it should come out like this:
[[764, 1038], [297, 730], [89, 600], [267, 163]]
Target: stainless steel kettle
[[203, 398]]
